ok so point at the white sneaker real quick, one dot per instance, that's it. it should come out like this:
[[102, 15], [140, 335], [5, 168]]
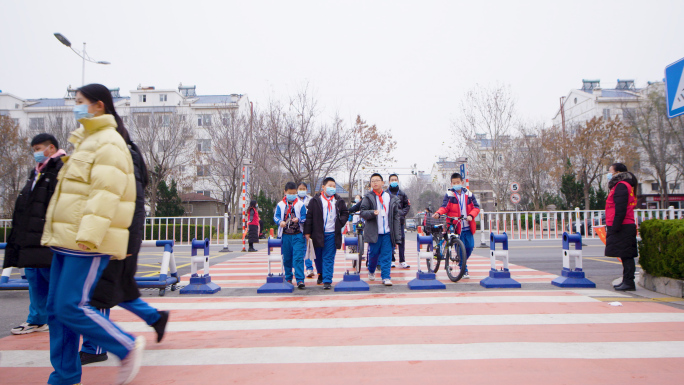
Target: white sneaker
[[131, 364], [371, 276], [465, 275], [393, 265], [309, 274], [387, 282], [404, 265], [27, 328]]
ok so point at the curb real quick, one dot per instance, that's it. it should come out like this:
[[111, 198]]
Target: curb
[[663, 285]]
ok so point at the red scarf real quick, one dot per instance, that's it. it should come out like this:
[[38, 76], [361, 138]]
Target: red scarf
[[289, 207], [380, 198], [328, 200]]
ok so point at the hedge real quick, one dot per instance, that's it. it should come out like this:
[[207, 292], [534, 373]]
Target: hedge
[[661, 249], [159, 232], [4, 233]]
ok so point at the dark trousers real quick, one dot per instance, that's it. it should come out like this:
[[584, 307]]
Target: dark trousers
[[401, 246], [628, 270]]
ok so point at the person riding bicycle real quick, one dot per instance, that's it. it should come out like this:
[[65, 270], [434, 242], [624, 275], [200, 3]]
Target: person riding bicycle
[[460, 201]]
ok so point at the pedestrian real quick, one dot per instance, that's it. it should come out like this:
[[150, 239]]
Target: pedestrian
[[404, 207], [460, 201], [290, 217], [326, 216], [354, 213], [253, 221], [304, 197], [23, 248], [87, 224], [621, 228], [117, 286], [382, 230]]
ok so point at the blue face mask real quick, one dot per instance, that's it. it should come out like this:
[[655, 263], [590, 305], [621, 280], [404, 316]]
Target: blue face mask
[[457, 187], [357, 200], [394, 184], [291, 197], [39, 157], [301, 193], [609, 176], [81, 112], [330, 191]]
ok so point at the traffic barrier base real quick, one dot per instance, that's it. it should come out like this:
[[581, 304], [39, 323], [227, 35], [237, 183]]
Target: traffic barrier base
[[572, 277], [275, 283], [499, 279], [200, 284], [425, 280], [14, 283], [168, 265], [351, 281]]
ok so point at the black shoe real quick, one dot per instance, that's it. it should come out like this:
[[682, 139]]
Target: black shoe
[[319, 281], [252, 250], [625, 287], [160, 325], [327, 286], [87, 358], [301, 285], [618, 285]]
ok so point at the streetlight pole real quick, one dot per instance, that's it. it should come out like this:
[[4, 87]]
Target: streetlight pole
[[83, 55]]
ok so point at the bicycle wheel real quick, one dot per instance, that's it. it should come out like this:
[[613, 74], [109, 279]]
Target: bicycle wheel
[[454, 262], [433, 263], [360, 249]]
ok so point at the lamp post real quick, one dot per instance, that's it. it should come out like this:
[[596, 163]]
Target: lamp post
[[83, 55]]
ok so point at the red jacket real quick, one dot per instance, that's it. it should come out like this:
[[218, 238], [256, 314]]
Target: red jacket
[[252, 216], [451, 207]]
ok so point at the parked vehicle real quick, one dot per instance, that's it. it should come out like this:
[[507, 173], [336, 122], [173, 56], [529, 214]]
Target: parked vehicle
[[411, 225]]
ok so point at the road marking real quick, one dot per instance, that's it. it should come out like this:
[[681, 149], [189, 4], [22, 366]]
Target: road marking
[[640, 299]]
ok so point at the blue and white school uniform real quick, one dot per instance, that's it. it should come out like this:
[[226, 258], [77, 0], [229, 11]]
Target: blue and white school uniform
[[307, 262], [380, 252], [293, 242]]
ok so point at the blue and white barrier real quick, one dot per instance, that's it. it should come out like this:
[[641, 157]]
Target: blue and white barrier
[[425, 280], [499, 278], [570, 277], [351, 282], [200, 284], [275, 283], [12, 284], [168, 265]]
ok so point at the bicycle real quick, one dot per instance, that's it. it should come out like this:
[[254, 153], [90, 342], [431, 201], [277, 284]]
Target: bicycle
[[359, 248], [447, 247]]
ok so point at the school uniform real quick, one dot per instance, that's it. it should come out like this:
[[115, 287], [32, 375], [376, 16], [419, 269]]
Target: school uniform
[[382, 231], [455, 203], [325, 219], [307, 262], [293, 242]]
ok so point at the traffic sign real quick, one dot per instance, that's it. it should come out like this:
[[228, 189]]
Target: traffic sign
[[515, 198], [515, 187], [674, 88]]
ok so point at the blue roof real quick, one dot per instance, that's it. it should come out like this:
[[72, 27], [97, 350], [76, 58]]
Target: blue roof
[[56, 102], [214, 99], [613, 93]]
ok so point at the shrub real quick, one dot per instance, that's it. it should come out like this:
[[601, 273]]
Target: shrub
[[159, 232], [661, 249]]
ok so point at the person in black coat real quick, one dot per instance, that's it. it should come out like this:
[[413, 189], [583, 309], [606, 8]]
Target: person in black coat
[[621, 228], [117, 285], [253, 223], [326, 215], [23, 244], [404, 207]]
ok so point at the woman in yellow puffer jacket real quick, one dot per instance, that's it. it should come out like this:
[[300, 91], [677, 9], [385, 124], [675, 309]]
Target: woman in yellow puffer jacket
[[87, 224]]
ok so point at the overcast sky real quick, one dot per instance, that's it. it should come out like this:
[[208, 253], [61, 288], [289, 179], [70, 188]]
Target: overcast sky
[[402, 65]]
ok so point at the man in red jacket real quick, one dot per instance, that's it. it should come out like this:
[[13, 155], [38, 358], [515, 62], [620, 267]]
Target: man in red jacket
[[457, 200]]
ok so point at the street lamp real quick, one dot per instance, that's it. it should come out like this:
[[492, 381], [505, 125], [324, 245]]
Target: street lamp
[[83, 55]]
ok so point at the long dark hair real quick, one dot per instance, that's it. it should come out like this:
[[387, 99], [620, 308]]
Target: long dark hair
[[99, 93]]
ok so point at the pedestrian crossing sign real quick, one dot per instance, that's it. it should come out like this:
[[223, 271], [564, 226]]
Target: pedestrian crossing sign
[[674, 88]]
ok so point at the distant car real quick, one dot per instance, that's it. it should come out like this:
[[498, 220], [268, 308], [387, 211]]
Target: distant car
[[411, 225]]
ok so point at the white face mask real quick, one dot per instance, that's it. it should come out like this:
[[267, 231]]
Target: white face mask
[[609, 176]]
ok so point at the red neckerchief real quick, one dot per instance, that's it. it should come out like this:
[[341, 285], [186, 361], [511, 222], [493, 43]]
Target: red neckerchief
[[289, 207], [328, 200], [380, 197]]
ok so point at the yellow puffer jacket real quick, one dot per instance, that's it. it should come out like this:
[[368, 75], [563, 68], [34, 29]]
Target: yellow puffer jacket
[[94, 200]]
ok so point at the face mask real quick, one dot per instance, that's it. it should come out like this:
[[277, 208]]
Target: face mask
[[81, 112], [457, 187], [330, 191], [301, 193], [291, 197], [394, 184], [39, 157], [609, 176], [357, 200]]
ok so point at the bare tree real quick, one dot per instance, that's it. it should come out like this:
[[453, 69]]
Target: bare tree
[[165, 138], [358, 156], [14, 150], [532, 172], [61, 123], [487, 121]]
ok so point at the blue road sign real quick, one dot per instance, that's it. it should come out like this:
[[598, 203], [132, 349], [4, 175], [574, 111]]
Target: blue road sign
[[674, 88], [462, 170]]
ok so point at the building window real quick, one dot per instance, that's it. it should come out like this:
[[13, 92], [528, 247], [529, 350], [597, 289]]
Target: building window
[[575, 100], [59, 121], [206, 193], [162, 97], [163, 145], [606, 114], [15, 121], [204, 145], [142, 98], [165, 119], [204, 120], [674, 186], [142, 120], [202, 170], [37, 124], [655, 187], [16, 106]]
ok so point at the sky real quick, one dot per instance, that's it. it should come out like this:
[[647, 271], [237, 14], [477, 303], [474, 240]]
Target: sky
[[404, 66]]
